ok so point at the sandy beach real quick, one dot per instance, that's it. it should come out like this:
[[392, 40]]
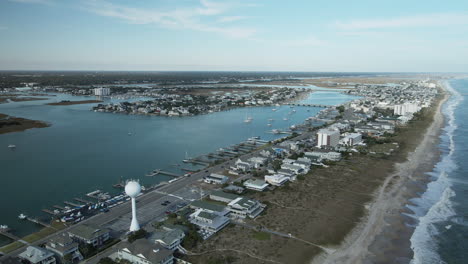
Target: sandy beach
[[382, 236]]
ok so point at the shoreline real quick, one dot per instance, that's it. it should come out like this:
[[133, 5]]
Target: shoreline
[[76, 102], [18, 124], [384, 225]]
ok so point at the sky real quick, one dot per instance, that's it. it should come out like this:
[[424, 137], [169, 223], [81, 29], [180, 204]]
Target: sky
[[234, 35]]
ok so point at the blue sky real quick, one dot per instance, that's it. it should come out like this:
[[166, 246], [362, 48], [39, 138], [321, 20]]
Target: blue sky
[[246, 35]]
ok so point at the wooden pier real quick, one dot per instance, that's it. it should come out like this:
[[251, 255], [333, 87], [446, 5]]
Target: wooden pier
[[59, 207], [6, 232], [48, 211], [72, 204], [168, 173], [82, 200], [37, 221]]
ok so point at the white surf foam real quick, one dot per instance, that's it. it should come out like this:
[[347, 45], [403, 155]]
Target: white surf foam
[[436, 201]]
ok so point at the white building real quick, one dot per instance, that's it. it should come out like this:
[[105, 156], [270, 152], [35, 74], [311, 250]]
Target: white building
[[142, 251], [257, 162], [102, 91], [168, 238], [63, 245], [256, 185], [242, 165], [352, 139], [243, 207], [277, 179], [37, 255], [327, 137], [406, 108], [324, 155], [208, 222], [214, 178]]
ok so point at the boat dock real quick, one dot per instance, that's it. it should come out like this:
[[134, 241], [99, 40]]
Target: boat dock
[[59, 207], [72, 204], [6, 233], [48, 211], [197, 162], [188, 170], [309, 105], [168, 173], [36, 221], [82, 200]]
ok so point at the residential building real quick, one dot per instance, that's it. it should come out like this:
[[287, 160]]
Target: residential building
[[257, 162], [406, 108], [277, 179], [326, 137], [210, 207], [234, 188], [352, 139], [89, 234], [208, 222], [142, 251], [222, 196], [214, 178], [242, 165], [256, 185], [37, 255], [169, 238], [62, 245], [295, 168], [243, 207], [102, 91], [324, 155]]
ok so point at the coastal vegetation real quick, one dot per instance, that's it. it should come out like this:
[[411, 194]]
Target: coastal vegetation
[[10, 124]]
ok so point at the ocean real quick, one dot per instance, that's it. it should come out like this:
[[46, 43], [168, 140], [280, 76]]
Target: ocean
[[83, 151], [441, 232]]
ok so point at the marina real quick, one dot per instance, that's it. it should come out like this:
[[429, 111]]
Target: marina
[[96, 181]]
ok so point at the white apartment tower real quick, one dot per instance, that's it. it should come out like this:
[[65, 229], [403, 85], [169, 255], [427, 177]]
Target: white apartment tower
[[327, 137]]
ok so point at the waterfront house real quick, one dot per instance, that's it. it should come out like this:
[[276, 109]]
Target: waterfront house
[[89, 234], [277, 179], [37, 255], [208, 222], [62, 245], [255, 184], [222, 196], [169, 238], [257, 162], [215, 178], [143, 251], [242, 165], [243, 207]]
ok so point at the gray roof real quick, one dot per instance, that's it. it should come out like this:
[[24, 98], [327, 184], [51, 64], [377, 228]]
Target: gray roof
[[208, 206], [222, 194], [35, 254], [152, 252], [167, 236], [207, 215], [61, 243], [88, 232]]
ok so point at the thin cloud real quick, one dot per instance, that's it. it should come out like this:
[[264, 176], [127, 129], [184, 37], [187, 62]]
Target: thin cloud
[[44, 2], [310, 41], [177, 18], [430, 20], [228, 19]]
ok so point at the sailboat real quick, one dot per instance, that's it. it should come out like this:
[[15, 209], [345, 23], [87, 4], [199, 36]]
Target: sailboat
[[187, 159]]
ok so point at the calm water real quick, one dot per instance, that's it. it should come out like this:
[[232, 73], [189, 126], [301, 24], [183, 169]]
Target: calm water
[[441, 235], [83, 151]]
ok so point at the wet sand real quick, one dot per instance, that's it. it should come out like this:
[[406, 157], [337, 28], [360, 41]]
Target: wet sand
[[383, 237]]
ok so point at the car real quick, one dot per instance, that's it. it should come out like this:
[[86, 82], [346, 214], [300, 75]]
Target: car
[[206, 171]]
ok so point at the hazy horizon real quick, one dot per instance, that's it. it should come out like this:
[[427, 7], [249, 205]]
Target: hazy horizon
[[234, 35]]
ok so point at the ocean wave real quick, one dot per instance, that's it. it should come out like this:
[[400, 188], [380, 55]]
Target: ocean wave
[[435, 204]]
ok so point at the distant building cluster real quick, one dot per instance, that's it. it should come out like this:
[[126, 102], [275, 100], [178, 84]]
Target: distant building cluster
[[102, 91]]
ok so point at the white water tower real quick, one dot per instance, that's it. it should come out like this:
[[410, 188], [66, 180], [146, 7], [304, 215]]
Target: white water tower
[[132, 189]]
